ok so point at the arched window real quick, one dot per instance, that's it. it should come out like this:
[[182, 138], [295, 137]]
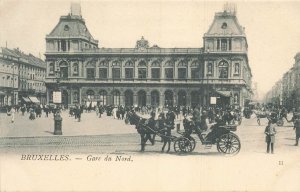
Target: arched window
[[210, 69], [75, 97], [223, 70], [63, 69], [75, 69], [90, 94], [51, 68], [236, 68]]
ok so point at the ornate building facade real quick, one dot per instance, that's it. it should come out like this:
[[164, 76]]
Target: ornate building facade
[[148, 75], [22, 78]]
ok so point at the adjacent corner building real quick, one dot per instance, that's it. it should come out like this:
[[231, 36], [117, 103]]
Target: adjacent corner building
[[148, 74], [22, 78]]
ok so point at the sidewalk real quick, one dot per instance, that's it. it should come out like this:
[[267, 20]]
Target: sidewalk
[[44, 127]]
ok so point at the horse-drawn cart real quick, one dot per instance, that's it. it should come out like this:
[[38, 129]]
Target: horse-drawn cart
[[221, 135]]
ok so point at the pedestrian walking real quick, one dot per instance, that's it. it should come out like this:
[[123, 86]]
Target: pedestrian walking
[[297, 127], [11, 113], [270, 132]]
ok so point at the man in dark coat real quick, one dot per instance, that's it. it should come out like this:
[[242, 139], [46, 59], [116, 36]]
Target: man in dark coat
[[297, 127]]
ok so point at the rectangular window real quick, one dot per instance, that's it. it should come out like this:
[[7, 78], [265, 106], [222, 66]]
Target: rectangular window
[[116, 73], [129, 73], [103, 73], [169, 73], [224, 45], [90, 73], [142, 72], [218, 44], [63, 45], [195, 73], [155, 73], [182, 73], [229, 44]]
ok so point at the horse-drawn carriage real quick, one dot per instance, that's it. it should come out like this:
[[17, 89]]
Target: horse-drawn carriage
[[221, 135], [273, 116]]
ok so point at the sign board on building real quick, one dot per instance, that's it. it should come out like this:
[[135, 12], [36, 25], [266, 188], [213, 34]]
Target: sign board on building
[[57, 97], [213, 100]]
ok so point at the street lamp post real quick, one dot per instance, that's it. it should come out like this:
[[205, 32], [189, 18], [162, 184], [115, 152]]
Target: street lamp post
[[57, 116]]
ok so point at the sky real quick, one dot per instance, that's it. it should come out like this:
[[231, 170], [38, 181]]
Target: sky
[[272, 27]]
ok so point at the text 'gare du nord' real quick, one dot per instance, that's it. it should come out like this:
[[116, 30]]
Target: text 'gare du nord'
[[148, 75]]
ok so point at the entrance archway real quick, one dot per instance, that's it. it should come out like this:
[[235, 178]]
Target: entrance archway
[[103, 97], [116, 97], [195, 98], [141, 98], [65, 97], [169, 98], [181, 98], [155, 98], [128, 98]]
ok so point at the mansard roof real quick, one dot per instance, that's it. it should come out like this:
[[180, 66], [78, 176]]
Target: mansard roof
[[28, 59], [225, 23], [71, 26]]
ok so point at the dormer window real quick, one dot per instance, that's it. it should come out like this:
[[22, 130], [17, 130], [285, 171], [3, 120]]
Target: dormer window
[[66, 28]]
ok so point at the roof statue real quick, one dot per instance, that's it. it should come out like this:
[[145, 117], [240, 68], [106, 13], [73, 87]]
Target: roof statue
[[142, 44]]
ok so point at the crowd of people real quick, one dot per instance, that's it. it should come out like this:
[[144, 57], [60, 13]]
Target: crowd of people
[[166, 116]]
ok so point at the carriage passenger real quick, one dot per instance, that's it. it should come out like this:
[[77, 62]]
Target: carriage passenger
[[197, 119]]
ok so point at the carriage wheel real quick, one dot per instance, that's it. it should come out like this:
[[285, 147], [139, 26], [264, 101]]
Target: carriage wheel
[[280, 122], [185, 145], [193, 142], [176, 146], [229, 143]]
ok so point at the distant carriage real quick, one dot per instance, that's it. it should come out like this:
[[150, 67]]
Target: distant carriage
[[271, 116]]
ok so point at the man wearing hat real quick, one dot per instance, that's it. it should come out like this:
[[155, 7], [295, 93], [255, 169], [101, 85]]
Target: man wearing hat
[[297, 127]]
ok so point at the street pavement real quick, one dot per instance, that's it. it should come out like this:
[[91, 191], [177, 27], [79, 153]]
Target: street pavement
[[106, 134]]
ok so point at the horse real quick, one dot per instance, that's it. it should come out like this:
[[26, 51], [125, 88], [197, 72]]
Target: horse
[[261, 115], [146, 131]]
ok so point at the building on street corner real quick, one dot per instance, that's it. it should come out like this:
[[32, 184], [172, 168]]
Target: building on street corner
[[22, 78], [148, 74]]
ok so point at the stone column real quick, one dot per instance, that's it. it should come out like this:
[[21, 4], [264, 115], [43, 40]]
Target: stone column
[[135, 99], [148, 71], [122, 99], [188, 98], [161, 100], [175, 98], [148, 98], [80, 96]]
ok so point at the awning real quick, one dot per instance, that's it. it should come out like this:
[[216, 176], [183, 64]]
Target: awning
[[34, 100], [252, 103], [224, 93], [26, 99]]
